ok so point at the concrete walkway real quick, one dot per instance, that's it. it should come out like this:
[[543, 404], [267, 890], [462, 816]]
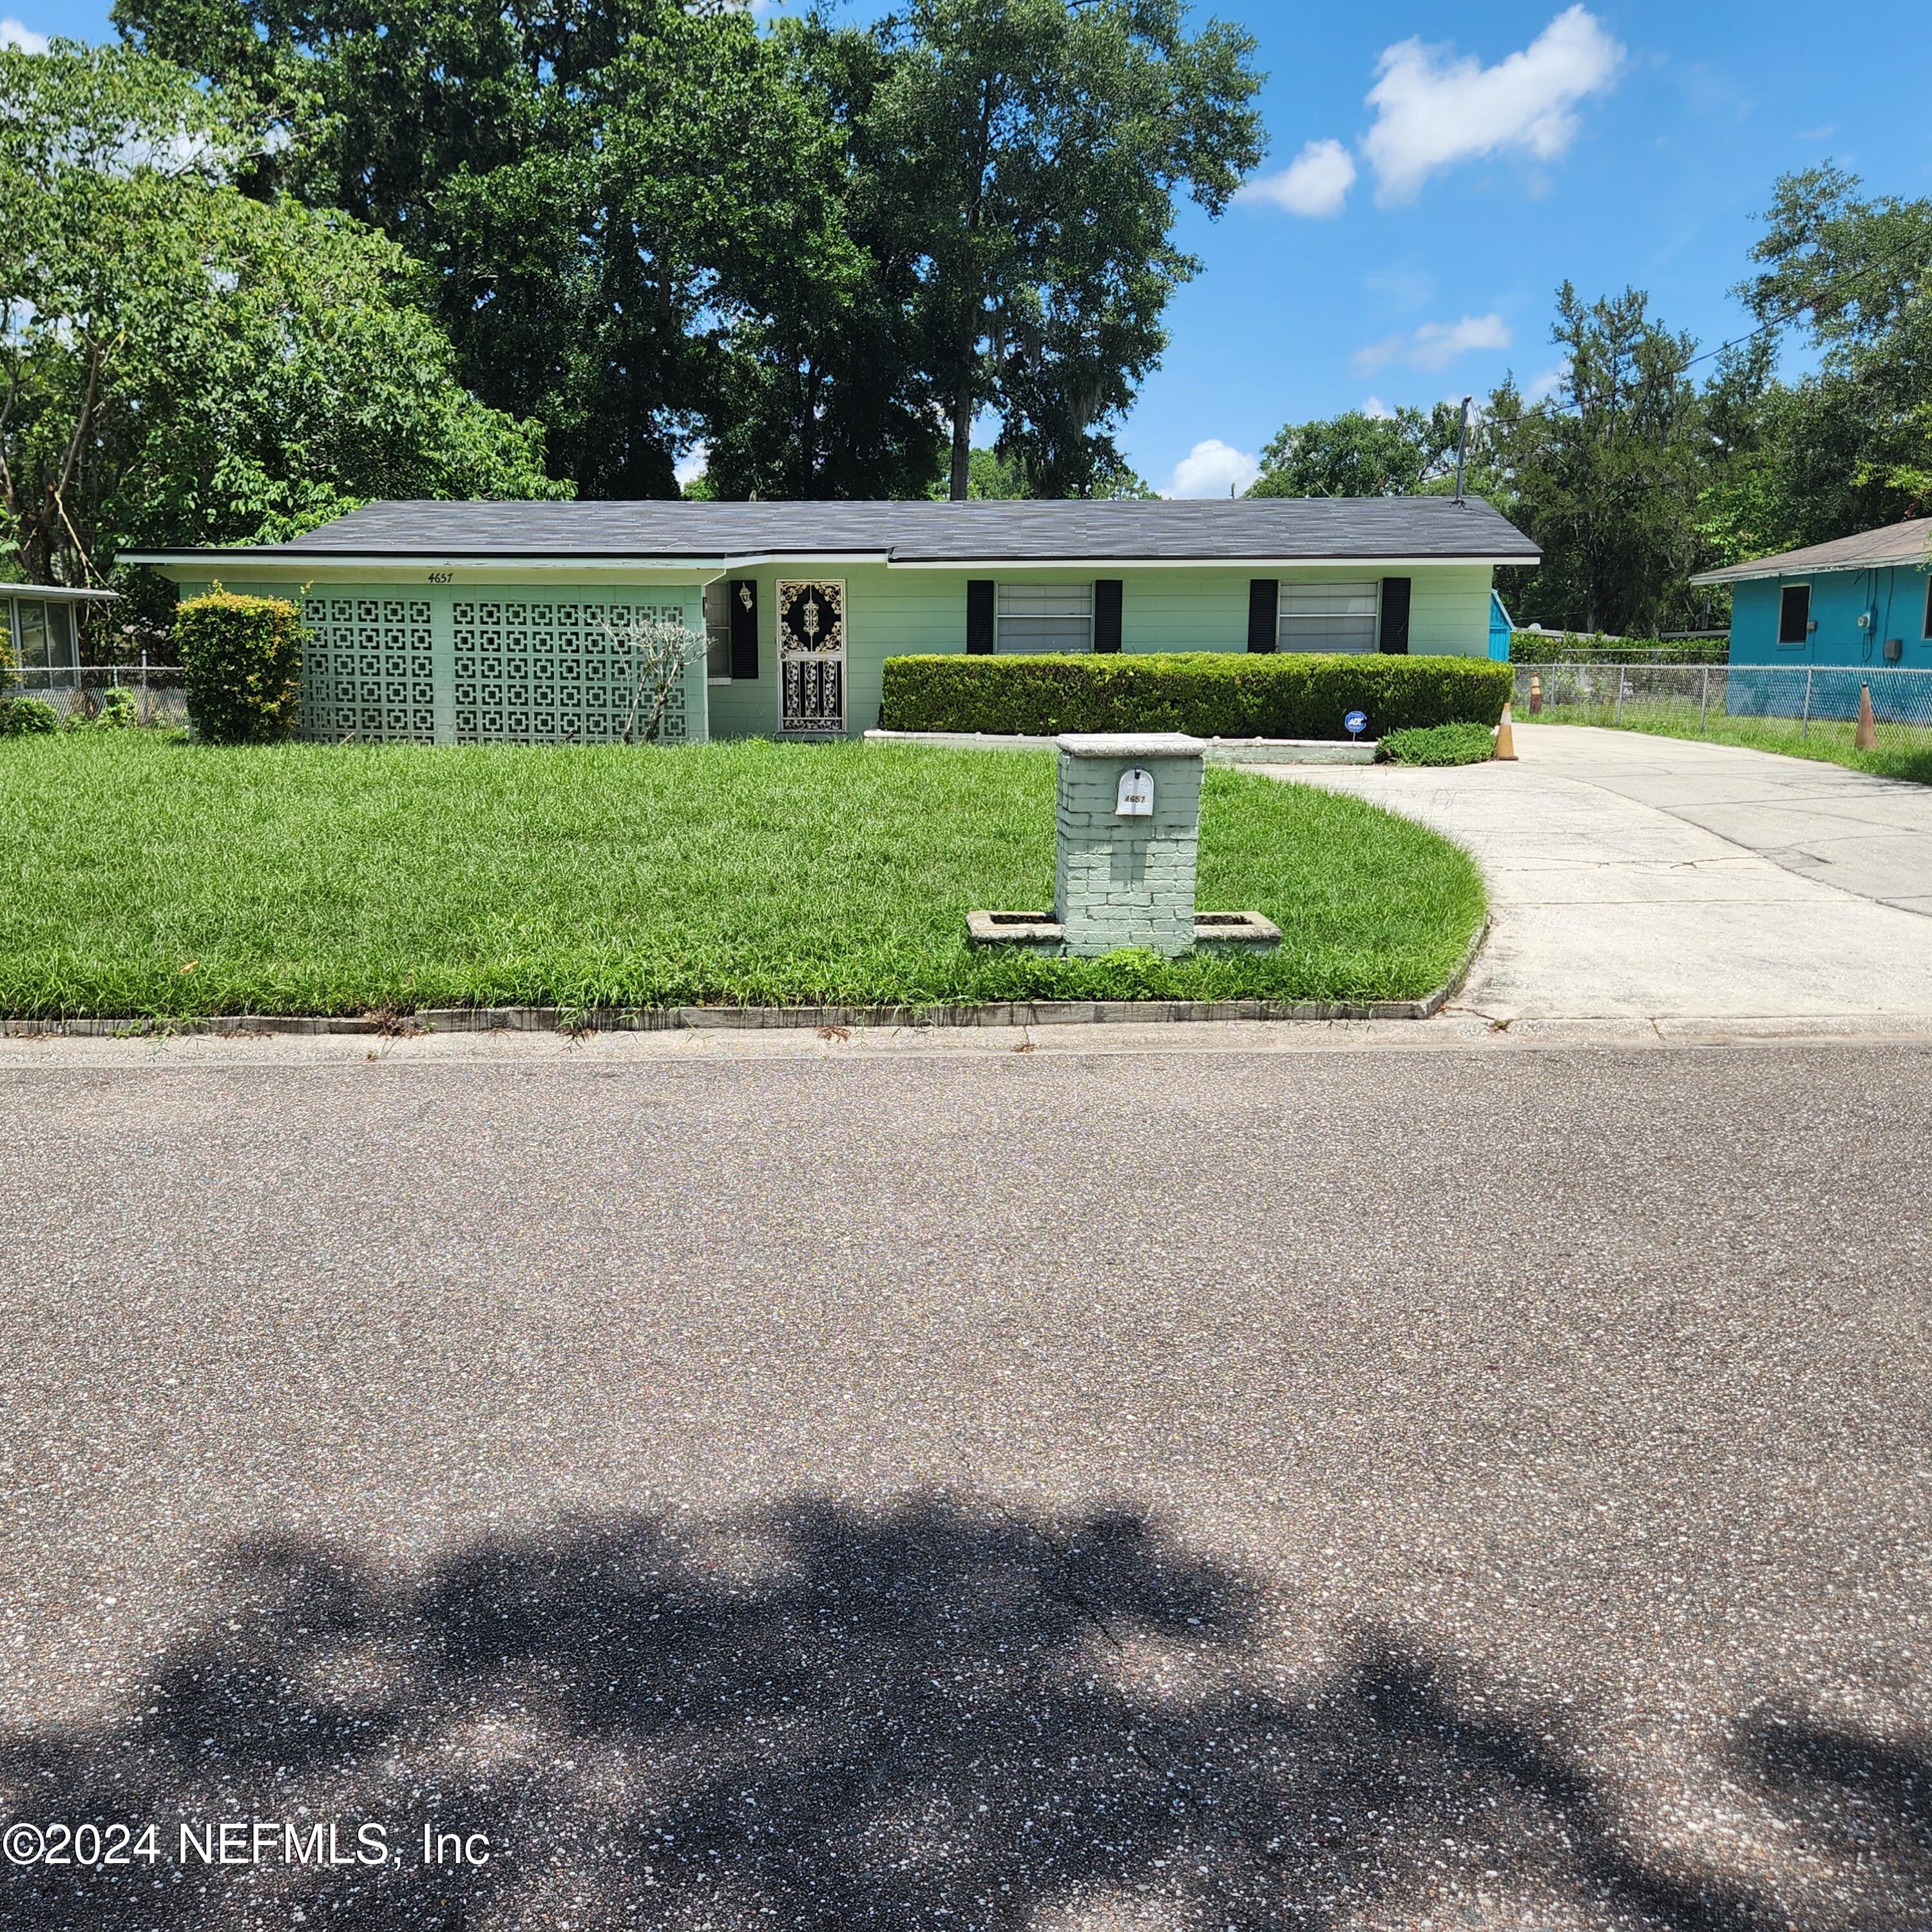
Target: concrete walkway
[[1661, 879]]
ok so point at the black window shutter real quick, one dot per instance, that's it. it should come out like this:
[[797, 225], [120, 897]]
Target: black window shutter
[[1107, 614], [743, 593], [1395, 613], [980, 615], [1263, 612]]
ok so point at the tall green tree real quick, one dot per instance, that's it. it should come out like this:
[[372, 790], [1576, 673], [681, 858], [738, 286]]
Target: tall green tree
[[820, 389], [630, 213], [1848, 447], [1357, 454], [182, 362], [1027, 155], [1607, 475]]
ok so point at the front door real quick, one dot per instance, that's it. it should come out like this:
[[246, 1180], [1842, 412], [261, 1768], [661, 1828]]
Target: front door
[[812, 657]]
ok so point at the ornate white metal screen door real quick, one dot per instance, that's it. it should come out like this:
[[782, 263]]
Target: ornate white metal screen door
[[812, 657]]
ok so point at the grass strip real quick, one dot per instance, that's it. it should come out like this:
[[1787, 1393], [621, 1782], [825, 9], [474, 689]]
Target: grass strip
[[1903, 751]]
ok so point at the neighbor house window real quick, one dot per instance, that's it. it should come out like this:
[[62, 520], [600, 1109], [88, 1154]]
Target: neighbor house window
[[1326, 617], [1036, 617], [717, 632], [33, 621], [1925, 629], [1794, 613]]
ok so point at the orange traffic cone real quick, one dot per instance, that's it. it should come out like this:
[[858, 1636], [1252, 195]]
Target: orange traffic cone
[[1865, 738], [1505, 738], [1535, 693]]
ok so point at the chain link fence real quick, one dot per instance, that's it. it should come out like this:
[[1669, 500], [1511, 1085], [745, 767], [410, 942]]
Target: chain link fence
[[159, 695], [1766, 705]]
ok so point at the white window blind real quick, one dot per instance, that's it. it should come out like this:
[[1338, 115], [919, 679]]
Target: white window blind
[[717, 632], [1327, 617], [1036, 617]]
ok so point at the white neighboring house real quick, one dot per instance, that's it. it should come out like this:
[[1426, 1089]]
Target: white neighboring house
[[40, 630]]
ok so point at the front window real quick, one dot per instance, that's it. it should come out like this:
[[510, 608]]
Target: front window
[[1035, 618], [717, 632], [1794, 613], [1926, 631], [1326, 617]]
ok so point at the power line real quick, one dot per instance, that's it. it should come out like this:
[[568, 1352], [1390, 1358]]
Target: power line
[[1792, 314]]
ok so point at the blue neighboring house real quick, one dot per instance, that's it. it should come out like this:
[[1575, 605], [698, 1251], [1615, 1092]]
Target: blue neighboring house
[[1862, 600], [1500, 628]]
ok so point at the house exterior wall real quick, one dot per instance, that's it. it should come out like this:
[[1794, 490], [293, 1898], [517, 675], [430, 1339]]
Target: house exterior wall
[[889, 612], [1894, 596], [418, 662], [897, 612]]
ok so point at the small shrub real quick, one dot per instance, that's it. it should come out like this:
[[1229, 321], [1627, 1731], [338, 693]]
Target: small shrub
[[113, 709], [28, 718], [1438, 744], [241, 658], [1213, 693]]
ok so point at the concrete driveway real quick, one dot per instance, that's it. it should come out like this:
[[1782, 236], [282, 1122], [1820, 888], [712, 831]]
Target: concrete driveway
[[1656, 879]]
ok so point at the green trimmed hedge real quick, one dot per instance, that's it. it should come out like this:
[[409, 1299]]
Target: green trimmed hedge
[[1544, 647], [241, 657], [1212, 694]]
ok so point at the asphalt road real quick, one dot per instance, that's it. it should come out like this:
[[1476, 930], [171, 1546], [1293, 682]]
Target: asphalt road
[[1352, 1490]]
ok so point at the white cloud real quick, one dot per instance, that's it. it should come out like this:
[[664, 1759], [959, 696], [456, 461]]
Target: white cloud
[[1210, 469], [1435, 344], [12, 34], [693, 466], [1376, 410], [1315, 183], [1546, 385], [1433, 109]]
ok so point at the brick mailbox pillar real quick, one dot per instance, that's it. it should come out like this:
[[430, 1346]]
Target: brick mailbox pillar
[[1127, 814], [1128, 817]]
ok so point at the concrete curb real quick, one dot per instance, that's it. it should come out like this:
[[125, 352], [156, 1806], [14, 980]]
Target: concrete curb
[[668, 1019]]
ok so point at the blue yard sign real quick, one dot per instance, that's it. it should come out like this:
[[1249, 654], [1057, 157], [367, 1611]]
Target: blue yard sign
[[1353, 722]]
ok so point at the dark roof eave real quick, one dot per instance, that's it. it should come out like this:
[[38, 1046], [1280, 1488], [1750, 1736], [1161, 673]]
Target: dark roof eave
[[677, 559]]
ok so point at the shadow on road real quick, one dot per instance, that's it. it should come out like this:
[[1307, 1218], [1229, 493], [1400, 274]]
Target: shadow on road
[[935, 1716]]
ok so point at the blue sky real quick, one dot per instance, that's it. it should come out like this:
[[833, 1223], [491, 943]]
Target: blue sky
[[1434, 172]]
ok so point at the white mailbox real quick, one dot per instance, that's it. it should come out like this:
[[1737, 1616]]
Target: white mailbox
[[1134, 796]]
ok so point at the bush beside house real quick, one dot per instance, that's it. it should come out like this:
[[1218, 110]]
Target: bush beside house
[[241, 661], [1212, 694], [27, 717], [1438, 744]]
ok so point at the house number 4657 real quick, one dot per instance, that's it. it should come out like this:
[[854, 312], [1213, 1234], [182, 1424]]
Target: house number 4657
[[442, 576]]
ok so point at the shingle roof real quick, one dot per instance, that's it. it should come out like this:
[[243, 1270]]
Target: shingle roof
[[1282, 528], [1896, 543]]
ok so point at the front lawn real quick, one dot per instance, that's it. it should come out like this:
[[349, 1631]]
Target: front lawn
[[141, 875]]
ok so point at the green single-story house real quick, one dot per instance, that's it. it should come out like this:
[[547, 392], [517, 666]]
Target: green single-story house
[[445, 622]]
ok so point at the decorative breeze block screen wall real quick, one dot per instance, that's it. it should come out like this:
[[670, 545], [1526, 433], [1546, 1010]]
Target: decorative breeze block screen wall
[[366, 671], [540, 674]]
